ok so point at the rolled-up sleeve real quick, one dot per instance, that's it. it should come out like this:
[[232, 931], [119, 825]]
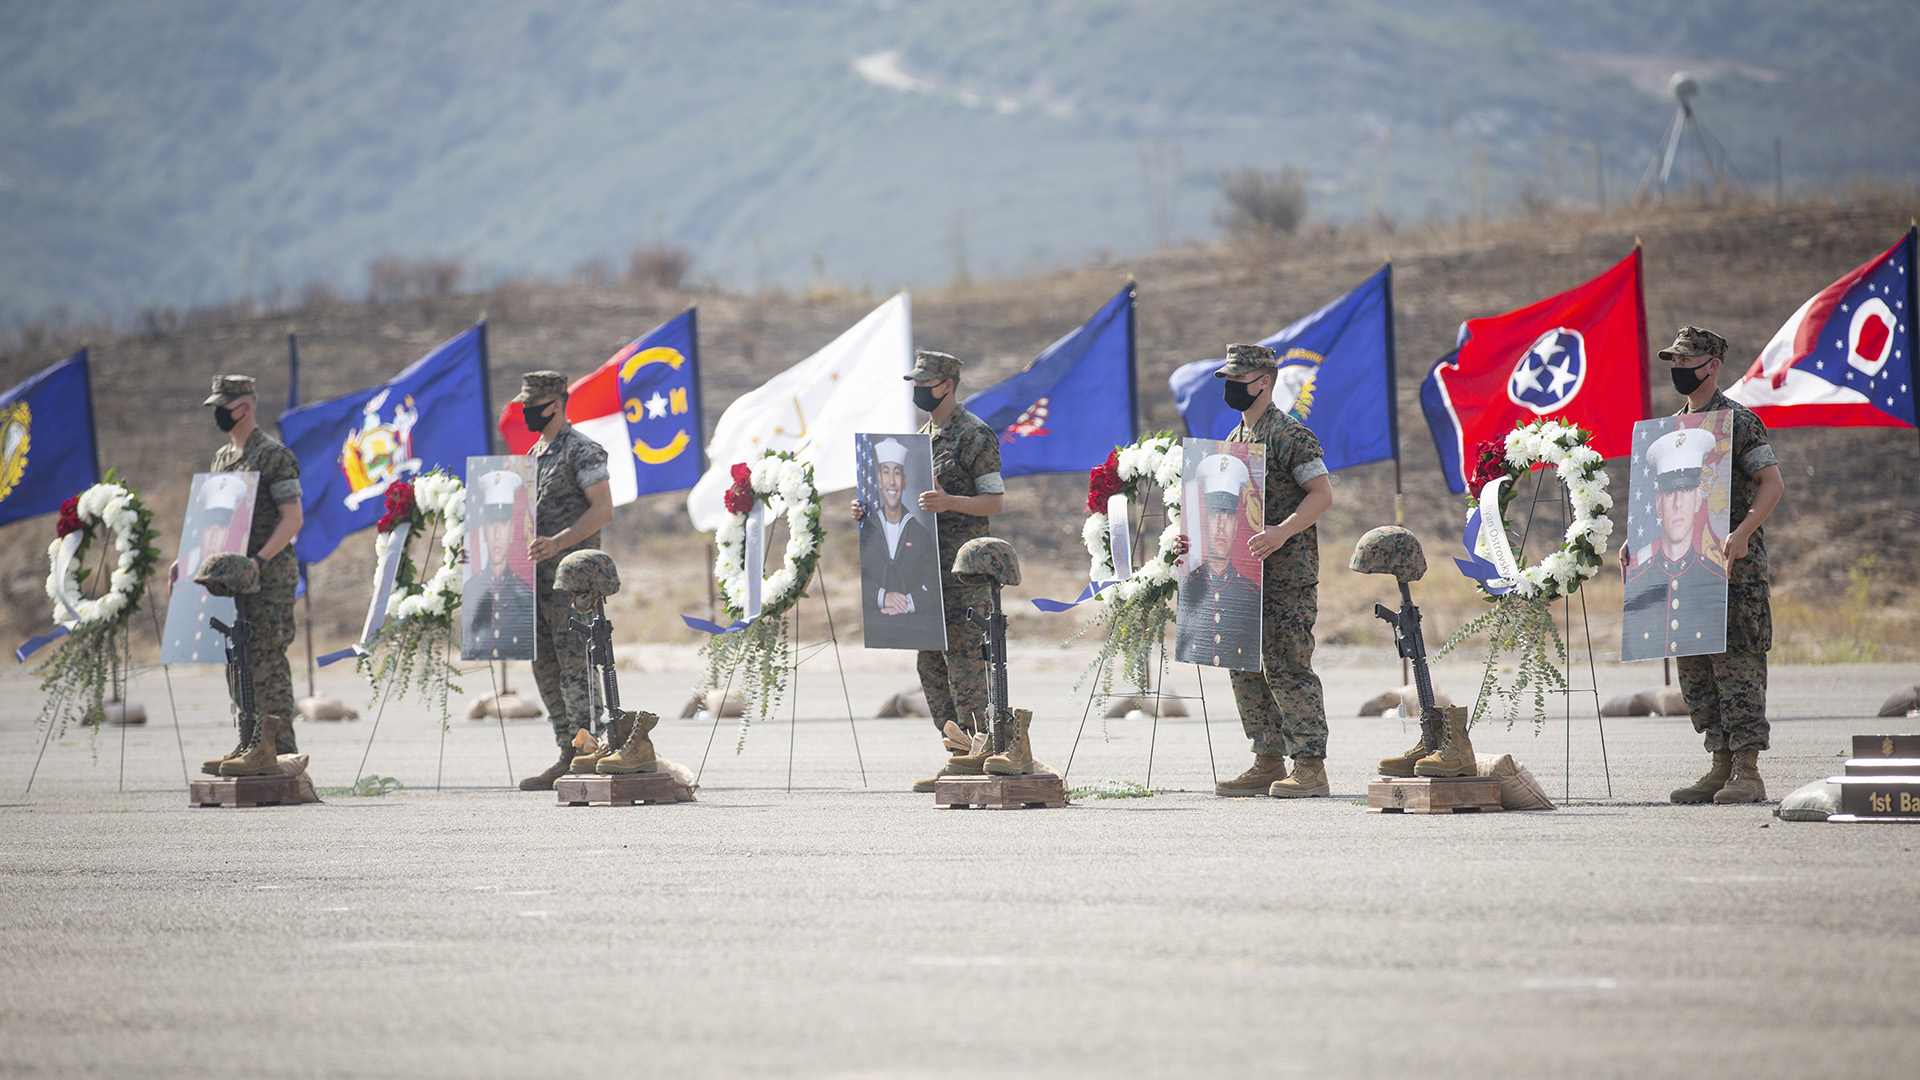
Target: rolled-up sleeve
[[1307, 470], [1758, 458], [990, 484]]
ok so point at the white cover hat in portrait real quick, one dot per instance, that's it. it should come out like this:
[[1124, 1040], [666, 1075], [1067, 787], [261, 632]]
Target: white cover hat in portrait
[[222, 491], [497, 487], [1678, 456], [889, 451], [1222, 476]]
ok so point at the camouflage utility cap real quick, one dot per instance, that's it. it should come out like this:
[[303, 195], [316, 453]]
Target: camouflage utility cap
[[1247, 360], [539, 385], [1390, 549], [228, 574], [589, 575], [228, 389], [987, 560], [1693, 341], [928, 364]]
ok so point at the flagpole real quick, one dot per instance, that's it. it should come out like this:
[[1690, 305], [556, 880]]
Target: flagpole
[[1393, 426], [1133, 374], [486, 384], [306, 596]]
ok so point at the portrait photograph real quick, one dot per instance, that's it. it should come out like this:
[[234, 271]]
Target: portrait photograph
[[219, 518], [900, 602], [1217, 621], [496, 595], [1678, 498]]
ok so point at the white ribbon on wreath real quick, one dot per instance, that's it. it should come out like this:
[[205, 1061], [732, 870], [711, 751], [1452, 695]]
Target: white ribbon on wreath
[[116, 509], [1155, 461], [442, 500], [1583, 470], [784, 487]]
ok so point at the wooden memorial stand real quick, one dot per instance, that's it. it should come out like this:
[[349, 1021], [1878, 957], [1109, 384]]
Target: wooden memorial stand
[[242, 791], [1000, 792], [1882, 781], [621, 789], [1433, 795]]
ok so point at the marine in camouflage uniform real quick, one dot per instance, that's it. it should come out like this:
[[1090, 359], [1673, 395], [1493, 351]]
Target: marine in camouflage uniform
[[966, 461], [270, 610], [1281, 706]]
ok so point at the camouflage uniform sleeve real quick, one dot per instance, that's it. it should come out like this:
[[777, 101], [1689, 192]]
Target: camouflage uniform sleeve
[[1752, 452], [1307, 460], [280, 475], [984, 462], [589, 461]]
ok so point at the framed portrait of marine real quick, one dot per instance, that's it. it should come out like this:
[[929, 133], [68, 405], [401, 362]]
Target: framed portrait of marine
[[900, 601], [219, 519], [1678, 495], [1222, 496], [496, 593]]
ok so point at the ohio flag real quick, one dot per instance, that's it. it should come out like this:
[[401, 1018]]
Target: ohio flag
[[1845, 359], [1579, 357]]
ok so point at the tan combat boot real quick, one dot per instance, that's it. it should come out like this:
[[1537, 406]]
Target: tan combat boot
[[1705, 788], [1403, 764], [1309, 780], [618, 730], [970, 761], [635, 754], [1455, 756], [212, 768], [1266, 769], [258, 759], [1018, 758], [1746, 785], [544, 781]]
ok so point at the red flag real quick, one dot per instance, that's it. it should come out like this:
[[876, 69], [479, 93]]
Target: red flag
[[1579, 357]]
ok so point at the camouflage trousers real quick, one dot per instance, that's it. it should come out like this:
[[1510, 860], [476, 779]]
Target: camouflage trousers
[[955, 681], [270, 614], [1727, 697], [1281, 708], [559, 661]]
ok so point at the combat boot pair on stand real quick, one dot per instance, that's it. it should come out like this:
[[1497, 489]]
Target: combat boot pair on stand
[[253, 757], [979, 759], [1734, 777], [620, 727], [1454, 758]]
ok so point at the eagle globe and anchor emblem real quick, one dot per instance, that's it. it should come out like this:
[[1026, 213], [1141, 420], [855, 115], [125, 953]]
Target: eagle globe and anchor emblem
[[380, 452], [16, 438]]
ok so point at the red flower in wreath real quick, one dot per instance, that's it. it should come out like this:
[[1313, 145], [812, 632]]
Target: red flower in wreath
[[1103, 483], [739, 497], [1490, 464], [69, 518], [742, 475], [400, 506]]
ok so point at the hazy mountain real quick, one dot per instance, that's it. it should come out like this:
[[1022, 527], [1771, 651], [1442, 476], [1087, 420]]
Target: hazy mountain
[[182, 152]]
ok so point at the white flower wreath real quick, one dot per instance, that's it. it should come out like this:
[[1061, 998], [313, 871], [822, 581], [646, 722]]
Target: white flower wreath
[[1583, 470], [785, 487], [1154, 460], [439, 499], [125, 518]]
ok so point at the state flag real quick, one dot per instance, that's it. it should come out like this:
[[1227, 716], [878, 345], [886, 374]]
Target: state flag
[[1336, 376], [1579, 357], [47, 447], [814, 408], [643, 406], [1066, 411], [432, 415], [1845, 359]]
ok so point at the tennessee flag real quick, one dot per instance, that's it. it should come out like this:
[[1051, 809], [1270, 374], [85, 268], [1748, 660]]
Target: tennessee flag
[[1845, 359], [1579, 357], [643, 405]]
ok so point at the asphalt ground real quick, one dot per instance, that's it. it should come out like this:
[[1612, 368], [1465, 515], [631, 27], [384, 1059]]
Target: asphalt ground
[[457, 927]]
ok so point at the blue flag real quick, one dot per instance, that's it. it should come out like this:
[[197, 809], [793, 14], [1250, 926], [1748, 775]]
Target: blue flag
[[660, 398], [1336, 377], [432, 415], [1072, 405], [47, 452]]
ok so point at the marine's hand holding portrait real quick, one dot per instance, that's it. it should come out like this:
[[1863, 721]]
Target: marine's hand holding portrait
[[1267, 541], [938, 500]]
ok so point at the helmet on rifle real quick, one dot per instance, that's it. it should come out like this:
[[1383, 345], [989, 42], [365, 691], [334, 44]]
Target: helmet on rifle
[[1390, 549], [987, 560], [228, 574], [589, 576]]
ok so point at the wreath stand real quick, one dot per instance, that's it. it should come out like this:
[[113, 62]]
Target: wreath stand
[[801, 653], [1153, 733], [1592, 687]]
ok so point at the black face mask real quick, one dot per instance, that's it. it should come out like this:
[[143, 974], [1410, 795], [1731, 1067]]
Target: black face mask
[[1687, 380], [1239, 398], [924, 400], [223, 418], [537, 416]]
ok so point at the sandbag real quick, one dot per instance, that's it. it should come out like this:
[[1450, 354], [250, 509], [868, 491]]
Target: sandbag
[[1813, 802], [295, 765], [1518, 789]]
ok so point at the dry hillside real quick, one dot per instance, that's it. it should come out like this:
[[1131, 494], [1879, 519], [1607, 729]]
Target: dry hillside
[[1842, 543]]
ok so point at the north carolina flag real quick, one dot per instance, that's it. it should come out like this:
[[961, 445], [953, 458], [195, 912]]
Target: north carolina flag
[[1066, 411], [643, 405], [1845, 359], [1579, 357]]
